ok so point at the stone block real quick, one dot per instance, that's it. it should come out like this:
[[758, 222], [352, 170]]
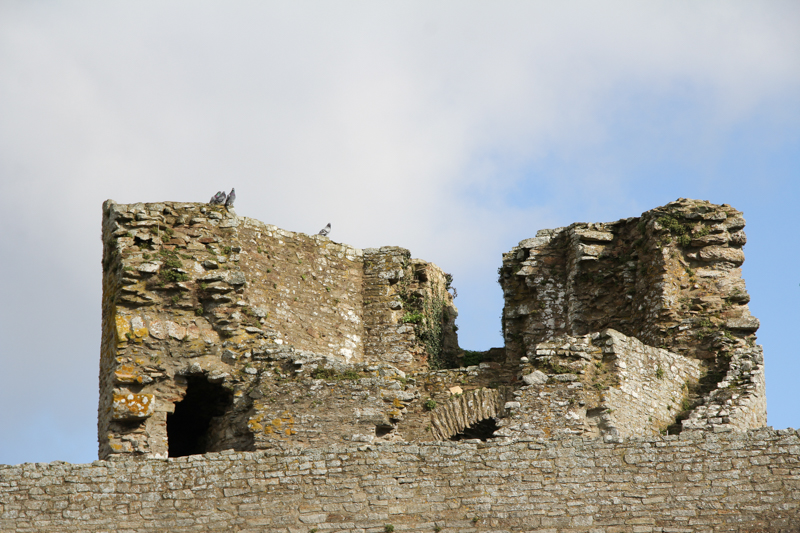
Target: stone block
[[130, 406]]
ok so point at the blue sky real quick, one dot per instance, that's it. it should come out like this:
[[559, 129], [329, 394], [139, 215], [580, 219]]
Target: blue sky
[[455, 129]]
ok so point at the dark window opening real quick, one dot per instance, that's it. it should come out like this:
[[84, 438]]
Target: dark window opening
[[382, 431], [187, 427], [483, 429]]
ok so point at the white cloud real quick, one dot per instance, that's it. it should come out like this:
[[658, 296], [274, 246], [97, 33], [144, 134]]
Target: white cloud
[[406, 123]]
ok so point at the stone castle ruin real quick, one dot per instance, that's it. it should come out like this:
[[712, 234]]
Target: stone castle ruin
[[220, 332], [256, 379]]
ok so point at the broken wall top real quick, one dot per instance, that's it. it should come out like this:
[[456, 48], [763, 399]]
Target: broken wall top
[[670, 278], [193, 289], [613, 329]]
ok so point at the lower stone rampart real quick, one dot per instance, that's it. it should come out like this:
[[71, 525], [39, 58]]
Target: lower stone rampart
[[693, 482]]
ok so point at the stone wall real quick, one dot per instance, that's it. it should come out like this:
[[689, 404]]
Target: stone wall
[[602, 384], [221, 332], [669, 278], [204, 309], [341, 366], [409, 312], [697, 482]]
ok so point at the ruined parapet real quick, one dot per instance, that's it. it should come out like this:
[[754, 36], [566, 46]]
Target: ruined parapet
[[409, 315], [601, 384], [204, 310], [739, 400], [669, 278], [221, 332]]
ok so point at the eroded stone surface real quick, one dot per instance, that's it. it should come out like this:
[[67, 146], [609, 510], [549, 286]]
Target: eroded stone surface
[[334, 362], [193, 290], [669, 278], [615, 330]]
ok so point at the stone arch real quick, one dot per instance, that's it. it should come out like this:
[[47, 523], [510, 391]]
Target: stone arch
[[465, 410]]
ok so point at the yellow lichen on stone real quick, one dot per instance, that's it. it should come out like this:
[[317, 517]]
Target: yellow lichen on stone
[[129, 406], [282, 426], [127, 374], [241, 338], [123, 328], [254, 423]]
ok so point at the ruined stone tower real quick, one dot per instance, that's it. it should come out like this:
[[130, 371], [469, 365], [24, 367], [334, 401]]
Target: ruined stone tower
[[255, 379], [221, 332]]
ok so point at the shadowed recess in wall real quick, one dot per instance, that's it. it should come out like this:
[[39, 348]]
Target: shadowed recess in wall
[[188, 428], [483, 430]]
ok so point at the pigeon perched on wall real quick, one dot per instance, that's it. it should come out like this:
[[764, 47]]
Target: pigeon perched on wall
[[218, 199], [325, 230], [231, 198]]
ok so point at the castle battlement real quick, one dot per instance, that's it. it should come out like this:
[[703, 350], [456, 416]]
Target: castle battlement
[[257, 379]]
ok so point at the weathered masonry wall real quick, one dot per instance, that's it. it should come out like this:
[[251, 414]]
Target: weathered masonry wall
[[216, 312], [602, 384], [745, 482], [221, 332], [222, 335], [670, 278]]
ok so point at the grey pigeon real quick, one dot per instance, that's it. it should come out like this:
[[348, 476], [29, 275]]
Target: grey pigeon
[[218, 199], [231, 198], [325, 230]]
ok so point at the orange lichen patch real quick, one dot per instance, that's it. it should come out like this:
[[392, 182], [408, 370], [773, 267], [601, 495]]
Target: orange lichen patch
[[123, 328], [127, 374], [278, 427], [130, 406], [254, 423]]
